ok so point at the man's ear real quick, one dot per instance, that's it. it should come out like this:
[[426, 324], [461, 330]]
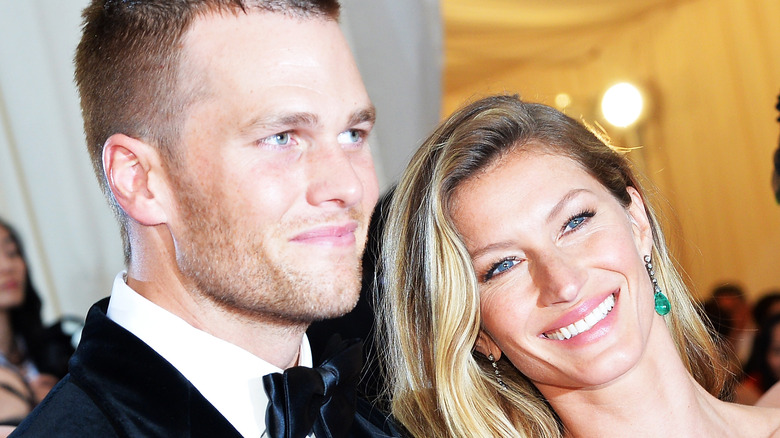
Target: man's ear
[[135, 175], [487, 346], [640, 223]]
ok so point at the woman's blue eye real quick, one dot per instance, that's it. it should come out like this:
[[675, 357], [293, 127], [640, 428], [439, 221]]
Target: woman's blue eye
[[500, 268], [503, 266], [577, 220], [574, 223]]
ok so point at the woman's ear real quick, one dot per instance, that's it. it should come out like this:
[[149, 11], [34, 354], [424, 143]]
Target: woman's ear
[[135, 176], [487, 346], [640, 223]]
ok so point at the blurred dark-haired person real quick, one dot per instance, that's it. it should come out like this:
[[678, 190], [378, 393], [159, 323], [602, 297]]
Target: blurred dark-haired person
[[735, 319], [766, 306], [772, 397], [763, 368], [33, 357]]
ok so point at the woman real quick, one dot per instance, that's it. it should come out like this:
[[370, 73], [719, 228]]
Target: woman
[[526, 282], [32, 358]]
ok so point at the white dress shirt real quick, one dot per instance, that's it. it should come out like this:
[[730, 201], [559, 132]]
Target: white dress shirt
[[229, 377]]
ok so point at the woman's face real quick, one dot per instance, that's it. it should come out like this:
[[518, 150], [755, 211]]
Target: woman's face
[[563, 289], [773, 352], [13, 272]]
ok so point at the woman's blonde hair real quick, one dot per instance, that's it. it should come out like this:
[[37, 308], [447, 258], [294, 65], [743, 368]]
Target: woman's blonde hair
[[430, 310]]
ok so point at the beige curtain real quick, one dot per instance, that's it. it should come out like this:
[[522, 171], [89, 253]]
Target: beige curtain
[[712, 71]]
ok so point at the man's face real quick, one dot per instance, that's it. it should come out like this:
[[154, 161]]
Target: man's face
[[277, 183]]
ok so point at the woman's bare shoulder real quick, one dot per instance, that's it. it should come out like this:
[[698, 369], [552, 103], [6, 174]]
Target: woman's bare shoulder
[[750, 421], [771, 398], [763, 421]]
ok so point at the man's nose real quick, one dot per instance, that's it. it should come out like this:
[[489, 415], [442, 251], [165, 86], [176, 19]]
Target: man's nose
[[332, 177]]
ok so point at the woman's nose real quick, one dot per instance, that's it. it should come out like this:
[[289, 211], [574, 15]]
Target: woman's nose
[[558, 277]]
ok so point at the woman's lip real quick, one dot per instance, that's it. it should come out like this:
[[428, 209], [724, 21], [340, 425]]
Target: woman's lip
[[579, 312], [328, 234]]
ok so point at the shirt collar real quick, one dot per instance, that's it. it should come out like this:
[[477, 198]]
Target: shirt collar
[[229, 377]]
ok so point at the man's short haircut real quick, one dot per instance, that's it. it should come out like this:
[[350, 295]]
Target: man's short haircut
[[129, 75]]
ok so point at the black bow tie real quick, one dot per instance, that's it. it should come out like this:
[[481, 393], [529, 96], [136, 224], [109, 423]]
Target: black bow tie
[[320, 399]]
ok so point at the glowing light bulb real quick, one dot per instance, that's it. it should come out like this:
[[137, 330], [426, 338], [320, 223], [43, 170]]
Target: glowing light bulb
[[562, 100], [622, 104]]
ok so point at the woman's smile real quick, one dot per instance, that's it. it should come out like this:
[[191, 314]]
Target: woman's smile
[[583, 325]]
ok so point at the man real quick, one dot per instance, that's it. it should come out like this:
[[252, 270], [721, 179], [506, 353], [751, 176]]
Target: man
[[230, 137]]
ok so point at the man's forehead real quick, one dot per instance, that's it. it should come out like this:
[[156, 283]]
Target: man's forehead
[[280, 40], [262, 71], [225, 44]]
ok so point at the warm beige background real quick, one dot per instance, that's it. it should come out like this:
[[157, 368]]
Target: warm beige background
[[712, 68]]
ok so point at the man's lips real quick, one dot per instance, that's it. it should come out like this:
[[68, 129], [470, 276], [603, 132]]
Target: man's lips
[[334, 235]]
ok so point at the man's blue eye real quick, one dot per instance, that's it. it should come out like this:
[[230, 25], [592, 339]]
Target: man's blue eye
[[283, 139], [350, 136], [280, 139]]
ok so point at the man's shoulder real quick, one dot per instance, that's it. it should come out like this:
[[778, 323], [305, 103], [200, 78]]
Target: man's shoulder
[[54, 416], [119, 386]]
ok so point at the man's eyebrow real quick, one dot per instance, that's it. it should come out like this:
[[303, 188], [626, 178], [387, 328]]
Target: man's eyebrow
[[365, 115], [281, 120]]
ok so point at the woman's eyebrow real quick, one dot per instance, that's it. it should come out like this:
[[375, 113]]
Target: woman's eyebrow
[[488, 248], [562, 203]]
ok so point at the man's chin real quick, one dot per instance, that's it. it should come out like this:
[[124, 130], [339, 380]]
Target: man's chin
[[335, 303], [335, 313], [339, 306]]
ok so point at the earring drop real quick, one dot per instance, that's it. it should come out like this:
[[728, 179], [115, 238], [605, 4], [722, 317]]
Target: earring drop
[[662, 305], [500, 381]]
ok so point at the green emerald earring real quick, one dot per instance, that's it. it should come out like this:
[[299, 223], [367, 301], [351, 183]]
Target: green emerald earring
[[662, 305]]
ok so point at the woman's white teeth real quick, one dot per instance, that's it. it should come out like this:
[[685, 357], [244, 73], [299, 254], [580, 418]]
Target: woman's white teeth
[[586, 323]]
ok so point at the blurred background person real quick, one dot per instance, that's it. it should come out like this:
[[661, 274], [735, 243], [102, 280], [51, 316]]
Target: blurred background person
[[732, 318], [772, 397], [32, 357], [763, 367], [767, 306], [776, 169]]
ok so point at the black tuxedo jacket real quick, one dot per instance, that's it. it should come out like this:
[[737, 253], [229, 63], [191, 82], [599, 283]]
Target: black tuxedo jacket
[[120, 387]]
